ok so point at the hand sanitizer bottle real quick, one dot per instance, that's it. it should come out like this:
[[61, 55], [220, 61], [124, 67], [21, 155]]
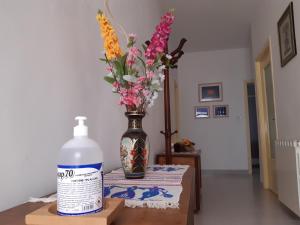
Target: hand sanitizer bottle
[[80, 174]]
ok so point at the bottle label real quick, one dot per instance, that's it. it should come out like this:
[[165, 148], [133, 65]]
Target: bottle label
[[79, 189]]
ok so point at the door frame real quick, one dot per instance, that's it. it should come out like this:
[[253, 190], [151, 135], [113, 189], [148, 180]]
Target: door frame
[[246, 82], [263, 59]]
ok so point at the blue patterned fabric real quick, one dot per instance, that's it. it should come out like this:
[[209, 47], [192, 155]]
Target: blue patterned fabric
[[164, 169], [130, 192], [161, 187]]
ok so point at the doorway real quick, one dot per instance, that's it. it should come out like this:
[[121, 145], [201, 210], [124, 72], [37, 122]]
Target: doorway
[[266, 118], [252, 128]]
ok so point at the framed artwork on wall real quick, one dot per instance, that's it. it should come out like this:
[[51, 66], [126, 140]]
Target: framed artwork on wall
[[286, 35], [210, 92], [202, 112], [220, 111]]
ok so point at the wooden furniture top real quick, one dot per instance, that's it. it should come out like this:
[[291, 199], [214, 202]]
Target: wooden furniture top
[[185, 154], [129, 216]]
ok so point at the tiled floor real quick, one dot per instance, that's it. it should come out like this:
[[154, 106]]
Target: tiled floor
[[240, 200]]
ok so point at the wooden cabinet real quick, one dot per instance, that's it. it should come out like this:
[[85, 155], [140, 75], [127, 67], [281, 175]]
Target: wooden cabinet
[[192, 159]]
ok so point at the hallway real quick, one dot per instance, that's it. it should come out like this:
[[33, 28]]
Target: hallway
[[240, 200]]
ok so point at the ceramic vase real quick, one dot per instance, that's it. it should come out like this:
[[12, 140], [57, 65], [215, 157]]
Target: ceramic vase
[[134, 149]]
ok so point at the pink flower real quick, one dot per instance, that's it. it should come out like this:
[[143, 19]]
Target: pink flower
[[116, 84], [131, 96], [160, 38], [109, 69], [130, 62], [131, 101], [149, 62], [127, 101], [160, 49], [137, 88], [169, 17], [141, 79], [147, 93], [137, 101], [150, 75], [133, 52], [132, 36]]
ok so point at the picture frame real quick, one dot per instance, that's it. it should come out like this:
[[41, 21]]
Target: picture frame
[[202, 112], [286, 36], [221, 111], [210, 92]]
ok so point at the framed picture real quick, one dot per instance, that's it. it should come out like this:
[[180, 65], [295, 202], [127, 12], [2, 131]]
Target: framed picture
[[286, 34], [202, 112], [210, 92], [221, 111]]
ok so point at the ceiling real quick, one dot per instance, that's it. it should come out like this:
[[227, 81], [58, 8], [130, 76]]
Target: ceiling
[[212, 24]]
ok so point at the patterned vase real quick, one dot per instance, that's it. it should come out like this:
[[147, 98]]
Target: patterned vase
[[134, 150]]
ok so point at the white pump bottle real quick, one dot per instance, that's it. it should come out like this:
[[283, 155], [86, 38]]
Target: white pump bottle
[[80, 174]]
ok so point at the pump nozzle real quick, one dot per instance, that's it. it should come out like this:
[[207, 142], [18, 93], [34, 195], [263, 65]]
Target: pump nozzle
[[80, 130], [80, 119]]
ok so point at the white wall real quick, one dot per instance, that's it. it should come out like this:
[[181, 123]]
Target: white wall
[[286, 79], [222, 141], [49, 74]]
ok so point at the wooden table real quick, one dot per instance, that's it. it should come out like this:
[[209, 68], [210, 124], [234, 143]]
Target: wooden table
[[192, 159], [129, 216]]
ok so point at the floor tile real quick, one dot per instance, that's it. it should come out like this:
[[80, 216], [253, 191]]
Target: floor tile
[[236, 199]]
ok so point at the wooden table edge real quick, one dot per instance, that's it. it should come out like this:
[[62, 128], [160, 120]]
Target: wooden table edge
[[16, 215]]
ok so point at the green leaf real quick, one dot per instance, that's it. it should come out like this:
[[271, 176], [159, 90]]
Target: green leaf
[[130, 78], [123, 63], [109, 79], [130, 71], [142, 61], [119, 68], [104, 60], [110, 75], [144, 47], [123, 58]]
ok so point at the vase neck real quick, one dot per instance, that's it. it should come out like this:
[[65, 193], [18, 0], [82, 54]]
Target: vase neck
[[135, 120]]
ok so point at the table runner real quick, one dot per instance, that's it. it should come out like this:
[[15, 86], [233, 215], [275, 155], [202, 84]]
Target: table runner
[[161, 187]]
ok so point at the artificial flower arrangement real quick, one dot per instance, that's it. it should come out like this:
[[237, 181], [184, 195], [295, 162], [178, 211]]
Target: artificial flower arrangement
[[136, 74]]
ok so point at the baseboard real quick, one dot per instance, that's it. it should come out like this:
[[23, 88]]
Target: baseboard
[[221, 172]]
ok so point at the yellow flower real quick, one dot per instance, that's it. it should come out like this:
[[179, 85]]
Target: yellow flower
[[111, 41]]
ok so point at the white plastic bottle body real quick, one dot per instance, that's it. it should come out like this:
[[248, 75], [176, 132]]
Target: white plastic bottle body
[[80, 177], [79, 151]]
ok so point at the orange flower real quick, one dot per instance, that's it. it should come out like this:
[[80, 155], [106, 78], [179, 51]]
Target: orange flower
[[111, 41]]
